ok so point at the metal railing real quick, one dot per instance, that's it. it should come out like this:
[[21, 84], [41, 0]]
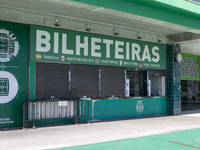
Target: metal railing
[[34, 110]]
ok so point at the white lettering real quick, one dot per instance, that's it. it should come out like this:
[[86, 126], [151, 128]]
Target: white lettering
[[108, 43], [118, 49], [56, 38], [135, 51], [41, 41], [80, 45], [157, 58], [95, 47], [127, 50], [146, 54]]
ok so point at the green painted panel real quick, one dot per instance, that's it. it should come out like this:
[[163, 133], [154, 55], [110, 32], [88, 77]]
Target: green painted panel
[[129, 108], [54, 122], [13, 72], [190, 78], [189, 56], [86, 109], [157, 9], [32, 80], [64, 46]]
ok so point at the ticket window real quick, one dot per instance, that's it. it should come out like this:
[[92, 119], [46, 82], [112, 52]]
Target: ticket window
[[157, 85], [112, 82], [85, 80], [137, 82], [52, 80]]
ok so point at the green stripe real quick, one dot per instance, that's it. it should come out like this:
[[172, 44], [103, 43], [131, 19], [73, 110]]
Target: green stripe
[[189, 56], [170, 12], [182, 140]]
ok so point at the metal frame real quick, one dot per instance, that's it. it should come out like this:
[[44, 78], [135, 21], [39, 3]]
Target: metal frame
[[81, 110]]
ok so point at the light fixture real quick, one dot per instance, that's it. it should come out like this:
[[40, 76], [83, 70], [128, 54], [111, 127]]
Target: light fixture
[[159, 39], [139, 35], [116, 32], [178, 45], [88, 27], [57, 22]]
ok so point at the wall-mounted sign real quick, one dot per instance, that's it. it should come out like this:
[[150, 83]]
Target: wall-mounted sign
[[55, 45], [9, 45], [8, 87], [13, 72]]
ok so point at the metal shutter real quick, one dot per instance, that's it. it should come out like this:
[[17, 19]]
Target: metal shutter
[[85, 80], [112, 81], [52, 80]]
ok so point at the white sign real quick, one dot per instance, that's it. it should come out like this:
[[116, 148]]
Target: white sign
[[62, 103], [9, 45], [8, 87]]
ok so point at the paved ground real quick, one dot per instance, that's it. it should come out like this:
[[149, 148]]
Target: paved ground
[[74, 135], [180, 140]]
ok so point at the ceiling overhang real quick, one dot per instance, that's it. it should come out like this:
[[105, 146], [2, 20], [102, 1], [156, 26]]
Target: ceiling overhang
[[74, 16]]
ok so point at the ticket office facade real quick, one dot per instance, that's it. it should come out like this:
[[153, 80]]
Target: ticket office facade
[[122, 78]]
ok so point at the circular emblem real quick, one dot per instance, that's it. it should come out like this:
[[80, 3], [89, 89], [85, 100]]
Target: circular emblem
[[38, 56], [139, 107], [120, 62], [9, 45], [97, 60], [140, 64], [62, 58], [8, 87], [178, 57]]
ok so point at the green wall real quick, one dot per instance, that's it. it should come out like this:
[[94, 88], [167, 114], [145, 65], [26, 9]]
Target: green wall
[[14, 72], [127, 108]]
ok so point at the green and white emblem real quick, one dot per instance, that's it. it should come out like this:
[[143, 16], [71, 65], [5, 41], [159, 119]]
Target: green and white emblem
[[8, 87], [9, 45], [139, 107]]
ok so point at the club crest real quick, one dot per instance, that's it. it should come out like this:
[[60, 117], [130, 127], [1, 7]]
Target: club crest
[[139, 106]]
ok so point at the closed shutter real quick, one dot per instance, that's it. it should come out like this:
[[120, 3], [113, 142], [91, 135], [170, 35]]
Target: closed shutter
[[84, 80], [112, 81], [52, 80]]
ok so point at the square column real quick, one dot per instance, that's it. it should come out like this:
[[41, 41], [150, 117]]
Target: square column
[[173, 81]]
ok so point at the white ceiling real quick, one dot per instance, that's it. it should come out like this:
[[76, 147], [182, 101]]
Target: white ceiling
[[83, 12]]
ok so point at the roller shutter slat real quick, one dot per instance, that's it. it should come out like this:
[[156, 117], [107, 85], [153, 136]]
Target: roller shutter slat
[[52, 80], [112, 81], [85, 80]]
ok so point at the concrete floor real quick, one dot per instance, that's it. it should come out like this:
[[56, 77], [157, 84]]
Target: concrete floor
[[180, 140], [73, 135]]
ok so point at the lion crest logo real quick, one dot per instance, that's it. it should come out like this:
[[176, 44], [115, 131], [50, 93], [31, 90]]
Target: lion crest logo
[[139, 106]]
